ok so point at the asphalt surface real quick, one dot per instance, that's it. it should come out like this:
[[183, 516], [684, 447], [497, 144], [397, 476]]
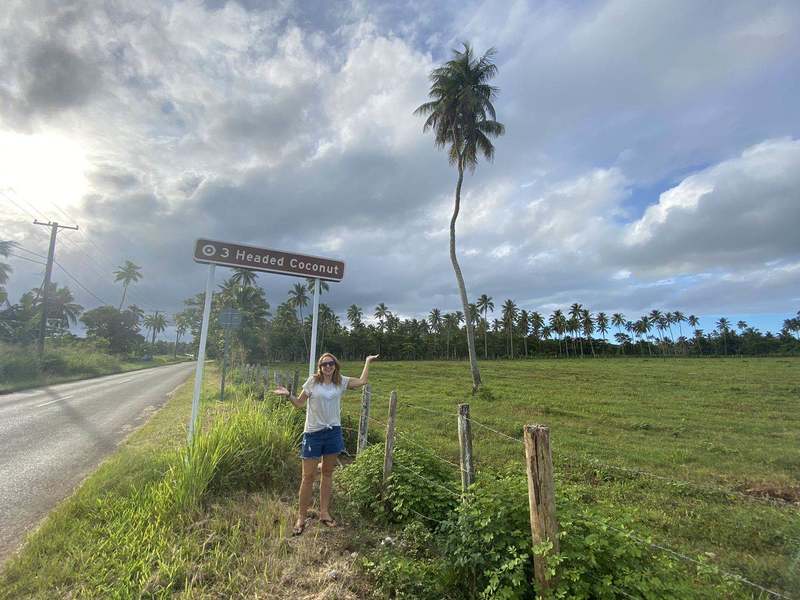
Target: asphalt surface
[[52, 437]]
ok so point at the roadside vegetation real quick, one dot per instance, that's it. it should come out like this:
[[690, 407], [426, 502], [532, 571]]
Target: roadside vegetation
[[21, 368], [699, 457]]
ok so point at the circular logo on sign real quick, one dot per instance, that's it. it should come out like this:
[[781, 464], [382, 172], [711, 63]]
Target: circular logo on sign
[[209, 250]]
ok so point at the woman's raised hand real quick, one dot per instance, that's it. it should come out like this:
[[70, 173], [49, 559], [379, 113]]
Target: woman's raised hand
[[280, 391], [372, 357]]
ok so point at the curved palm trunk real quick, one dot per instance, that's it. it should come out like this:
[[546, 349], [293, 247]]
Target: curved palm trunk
[[124, 291], [473, 359]]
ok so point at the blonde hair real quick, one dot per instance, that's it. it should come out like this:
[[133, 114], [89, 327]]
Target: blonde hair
[[336, 378]]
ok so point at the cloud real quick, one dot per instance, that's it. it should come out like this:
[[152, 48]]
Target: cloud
[[650, 158]]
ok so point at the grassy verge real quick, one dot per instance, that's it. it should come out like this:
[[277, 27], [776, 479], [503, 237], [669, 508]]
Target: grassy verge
[[21, 369], [162, 520]]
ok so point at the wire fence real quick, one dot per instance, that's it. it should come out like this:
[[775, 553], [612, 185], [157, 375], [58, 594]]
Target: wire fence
[[629, 534]]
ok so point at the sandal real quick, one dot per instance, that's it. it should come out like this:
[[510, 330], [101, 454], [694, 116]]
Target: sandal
[[329, 522], [298, 529]]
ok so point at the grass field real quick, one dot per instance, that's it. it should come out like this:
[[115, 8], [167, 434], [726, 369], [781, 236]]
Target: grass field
[[694, 454], [696, 427]]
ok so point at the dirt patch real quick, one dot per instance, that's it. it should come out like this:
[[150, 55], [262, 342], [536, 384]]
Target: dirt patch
[[769, 491]]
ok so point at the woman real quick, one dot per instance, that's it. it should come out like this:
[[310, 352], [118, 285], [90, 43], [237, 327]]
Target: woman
[[322, 435]]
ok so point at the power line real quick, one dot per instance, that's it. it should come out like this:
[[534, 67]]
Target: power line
[[87, 290], [38, 262], [19, 247]]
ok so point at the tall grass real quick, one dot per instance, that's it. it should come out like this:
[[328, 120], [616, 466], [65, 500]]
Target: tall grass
[[134, 542]]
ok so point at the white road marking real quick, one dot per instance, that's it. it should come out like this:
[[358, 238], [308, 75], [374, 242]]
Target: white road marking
[[126, 380], [52, 401]]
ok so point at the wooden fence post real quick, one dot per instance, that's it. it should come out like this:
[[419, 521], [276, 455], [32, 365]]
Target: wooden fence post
[[363, 422], [388, 454], [541, 498], [465, 446]]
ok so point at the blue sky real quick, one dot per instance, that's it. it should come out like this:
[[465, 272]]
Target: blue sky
[[650, 161]]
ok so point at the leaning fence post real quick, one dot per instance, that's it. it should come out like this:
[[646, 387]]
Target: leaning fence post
[[388, 454], [465, 445], [366, 396], [541, 499]]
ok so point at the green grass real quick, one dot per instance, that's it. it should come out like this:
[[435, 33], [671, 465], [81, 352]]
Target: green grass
[[715, 423], [730, 424]]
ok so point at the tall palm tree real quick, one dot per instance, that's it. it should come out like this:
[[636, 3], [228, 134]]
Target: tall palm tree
[[61, 304], [723, 326], [557, 324], [354, 315], [602, 323], [618, 321], [485, 305], [462, 117], [524, 326], [509, 317], [576, 315], [183, 322], [156, 323], [298, 299], [382, 313], [537, 324], [435, 320], [128, 273], [243, 277], [587, 324]]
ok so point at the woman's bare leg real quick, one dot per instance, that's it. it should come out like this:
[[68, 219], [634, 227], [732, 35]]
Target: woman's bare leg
[[325, 484], [306, 487]]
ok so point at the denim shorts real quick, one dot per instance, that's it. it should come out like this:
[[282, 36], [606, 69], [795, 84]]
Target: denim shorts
[[322, 442]]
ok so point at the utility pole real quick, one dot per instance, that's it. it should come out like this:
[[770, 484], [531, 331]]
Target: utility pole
[[54, 227]]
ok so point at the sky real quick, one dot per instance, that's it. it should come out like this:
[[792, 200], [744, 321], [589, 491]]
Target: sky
[[651, 158]]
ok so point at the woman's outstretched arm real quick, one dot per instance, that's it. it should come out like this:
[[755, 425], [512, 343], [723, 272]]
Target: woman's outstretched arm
[[299, 402], [355, 383]]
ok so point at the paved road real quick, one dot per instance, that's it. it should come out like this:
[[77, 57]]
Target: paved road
[[51, 438]]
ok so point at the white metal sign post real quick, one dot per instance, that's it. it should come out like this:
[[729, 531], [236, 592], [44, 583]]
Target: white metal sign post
[[230, 254], [312, 357], [201, 351]]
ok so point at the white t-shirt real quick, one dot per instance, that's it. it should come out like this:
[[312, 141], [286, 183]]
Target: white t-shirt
[[323, 409]]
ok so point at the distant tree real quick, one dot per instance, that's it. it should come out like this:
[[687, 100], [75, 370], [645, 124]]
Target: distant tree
[[436, 322], [723, 326], [509, 315], [183, 323], [462, 117], [382, 313], [243, 277], [485, 305], [602, 323], [524, 326], [156, 323], [127, 274], [119, 328], [354, 315], [576, 316], [587, 324]]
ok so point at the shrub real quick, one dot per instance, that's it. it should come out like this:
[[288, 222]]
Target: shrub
[[488, 542], [419, 484]]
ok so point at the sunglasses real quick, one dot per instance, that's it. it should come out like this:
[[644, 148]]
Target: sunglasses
[[328, 363]]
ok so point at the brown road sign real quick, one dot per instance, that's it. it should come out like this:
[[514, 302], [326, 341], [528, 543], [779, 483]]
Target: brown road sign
[[263, 259]]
